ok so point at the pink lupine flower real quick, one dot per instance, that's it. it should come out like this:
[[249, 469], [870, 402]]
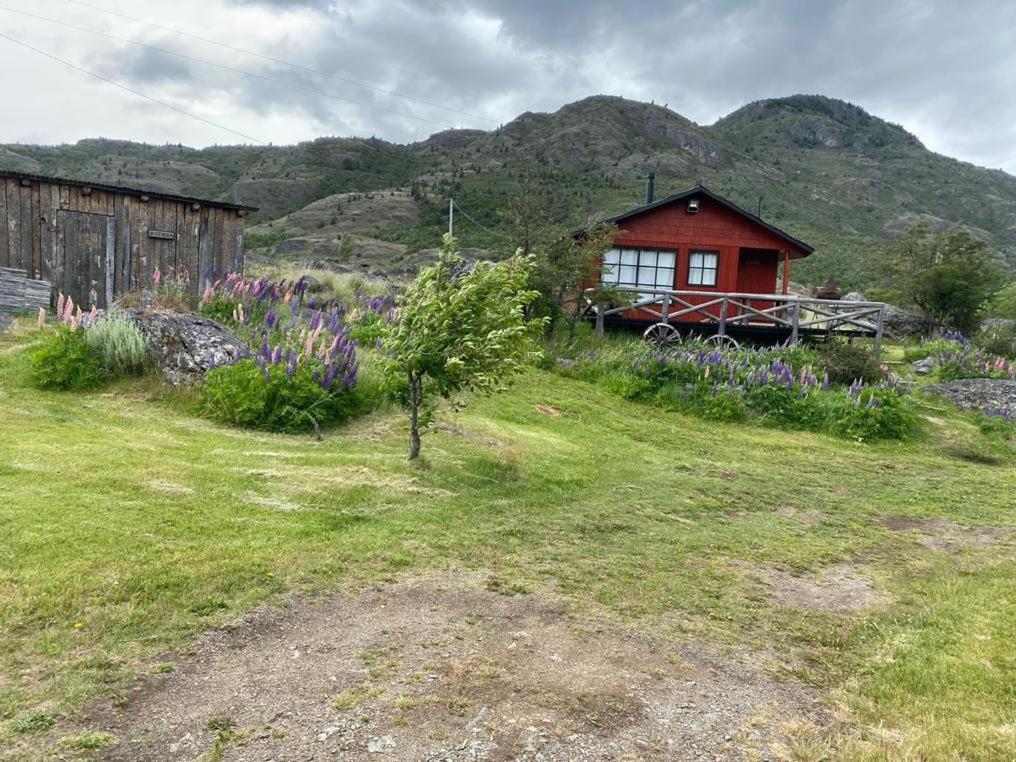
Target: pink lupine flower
[[42, 317], [60, 306], [68, 310], [208, 296], [156, 277], [92, 313]]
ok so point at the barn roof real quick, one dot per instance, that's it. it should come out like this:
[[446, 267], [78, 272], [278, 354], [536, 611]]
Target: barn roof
[[11, 174], [701, 190]]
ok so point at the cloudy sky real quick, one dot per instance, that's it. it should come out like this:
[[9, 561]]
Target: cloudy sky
[[287, 70]]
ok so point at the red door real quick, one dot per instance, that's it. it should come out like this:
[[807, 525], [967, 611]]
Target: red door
[[756, 274]]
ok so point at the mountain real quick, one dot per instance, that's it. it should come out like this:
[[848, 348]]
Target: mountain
[[825, 170]]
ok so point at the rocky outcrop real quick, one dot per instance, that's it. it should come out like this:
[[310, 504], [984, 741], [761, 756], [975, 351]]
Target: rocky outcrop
[[896, 323], [978, 394], [185, 346]]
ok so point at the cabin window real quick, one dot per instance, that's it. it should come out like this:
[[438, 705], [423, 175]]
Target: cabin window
[[702, 268], [639, 268]]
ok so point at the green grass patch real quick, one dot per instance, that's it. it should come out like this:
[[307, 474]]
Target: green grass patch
[[129, 526]]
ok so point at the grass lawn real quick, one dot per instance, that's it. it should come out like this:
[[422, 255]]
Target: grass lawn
[[128, 526]]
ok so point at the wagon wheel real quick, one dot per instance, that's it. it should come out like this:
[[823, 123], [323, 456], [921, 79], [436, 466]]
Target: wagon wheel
[[722, 341], [661, 334]]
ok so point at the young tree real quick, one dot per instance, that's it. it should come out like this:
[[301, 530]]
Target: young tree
[[949, 277], [568, 273], [458, 327]]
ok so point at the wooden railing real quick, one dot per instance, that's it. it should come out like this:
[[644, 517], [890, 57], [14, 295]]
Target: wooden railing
[[720, 311]]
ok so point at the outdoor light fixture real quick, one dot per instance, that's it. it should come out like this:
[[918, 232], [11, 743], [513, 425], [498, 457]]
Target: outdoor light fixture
[[693, 206]]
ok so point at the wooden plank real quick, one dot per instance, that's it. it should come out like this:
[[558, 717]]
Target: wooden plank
[[69, 234], [13, 224], [139, 251], [204, 243], [121, 245], [49, 203], [27, 228], [37, 223], [4, 230], [187, 247], [109, 266]]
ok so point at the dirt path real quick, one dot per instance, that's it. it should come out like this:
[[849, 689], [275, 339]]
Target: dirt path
[[442, 668]]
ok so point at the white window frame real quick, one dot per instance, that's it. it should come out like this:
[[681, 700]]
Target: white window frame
[[639, 268], [699, 271]]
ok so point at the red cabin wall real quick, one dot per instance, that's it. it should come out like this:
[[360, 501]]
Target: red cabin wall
[[714, 228]]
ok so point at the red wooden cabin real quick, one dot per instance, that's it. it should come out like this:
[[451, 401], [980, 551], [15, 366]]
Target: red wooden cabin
[[698, 241]]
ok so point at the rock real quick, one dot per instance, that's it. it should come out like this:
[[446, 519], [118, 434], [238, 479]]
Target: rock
[[381, 744], [314, 286], [925, 366], [900, 324], [184, 346], [978, 393], [853, 296]]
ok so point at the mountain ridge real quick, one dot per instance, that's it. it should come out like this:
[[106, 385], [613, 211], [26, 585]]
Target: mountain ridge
[[826, 170]]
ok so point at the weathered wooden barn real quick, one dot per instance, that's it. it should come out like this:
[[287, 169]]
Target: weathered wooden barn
[[94, 241]]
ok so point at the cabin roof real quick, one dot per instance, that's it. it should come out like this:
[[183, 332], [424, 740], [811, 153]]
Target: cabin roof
[[701, 190], [11, 174]]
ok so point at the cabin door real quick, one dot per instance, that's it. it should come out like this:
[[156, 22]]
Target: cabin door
[[756, 274], [84, 258]]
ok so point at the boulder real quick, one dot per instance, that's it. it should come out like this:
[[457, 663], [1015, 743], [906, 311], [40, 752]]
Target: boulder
[[185, 346], [978, 393], [853, 296], [925, 366], [900, 324]]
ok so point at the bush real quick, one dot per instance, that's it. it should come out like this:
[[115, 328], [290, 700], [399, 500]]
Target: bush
[[845, 362], [119, 342], [998, 339], [873, 413], [64, 360], [773, 386], [274, 398], [997, 423]]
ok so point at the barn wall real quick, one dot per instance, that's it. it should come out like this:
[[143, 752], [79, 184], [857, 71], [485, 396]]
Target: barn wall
[[57, 233]]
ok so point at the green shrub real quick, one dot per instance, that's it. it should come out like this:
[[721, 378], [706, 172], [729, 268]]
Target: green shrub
[[997, 424], [998, 339], [64, 360], [845, 362], [219, 309], [120, 343], [874, 413], [273, 399]]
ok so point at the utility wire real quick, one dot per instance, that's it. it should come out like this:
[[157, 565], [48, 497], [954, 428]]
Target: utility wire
[[138, 93], [466, 214], [283, 62], [225, 67]]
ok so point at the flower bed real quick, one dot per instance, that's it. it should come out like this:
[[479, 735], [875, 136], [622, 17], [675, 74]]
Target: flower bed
[[777, 387]]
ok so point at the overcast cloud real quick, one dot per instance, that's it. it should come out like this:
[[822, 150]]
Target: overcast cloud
[[944, 70]]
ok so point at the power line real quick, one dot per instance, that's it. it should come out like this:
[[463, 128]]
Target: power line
[[225, 67], [281, 61], [464, 213], [138, 93]]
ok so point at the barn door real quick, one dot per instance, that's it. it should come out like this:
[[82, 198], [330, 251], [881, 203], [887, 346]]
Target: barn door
[[85, 257]]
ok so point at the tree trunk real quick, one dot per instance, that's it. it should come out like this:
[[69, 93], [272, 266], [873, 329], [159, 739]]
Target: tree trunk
[[415, 398]]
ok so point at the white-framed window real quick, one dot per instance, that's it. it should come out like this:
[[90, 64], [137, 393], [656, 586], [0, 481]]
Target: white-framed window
[[639, 268], [702, 267]]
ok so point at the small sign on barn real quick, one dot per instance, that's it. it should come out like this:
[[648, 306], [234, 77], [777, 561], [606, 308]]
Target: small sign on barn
[[165, 235]]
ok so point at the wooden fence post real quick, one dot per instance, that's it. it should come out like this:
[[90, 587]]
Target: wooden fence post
[[795, 323], [878, 333], [722, 330], [599, 319]]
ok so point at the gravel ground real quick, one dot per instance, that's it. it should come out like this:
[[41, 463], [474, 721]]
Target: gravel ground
[[443, 669]]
